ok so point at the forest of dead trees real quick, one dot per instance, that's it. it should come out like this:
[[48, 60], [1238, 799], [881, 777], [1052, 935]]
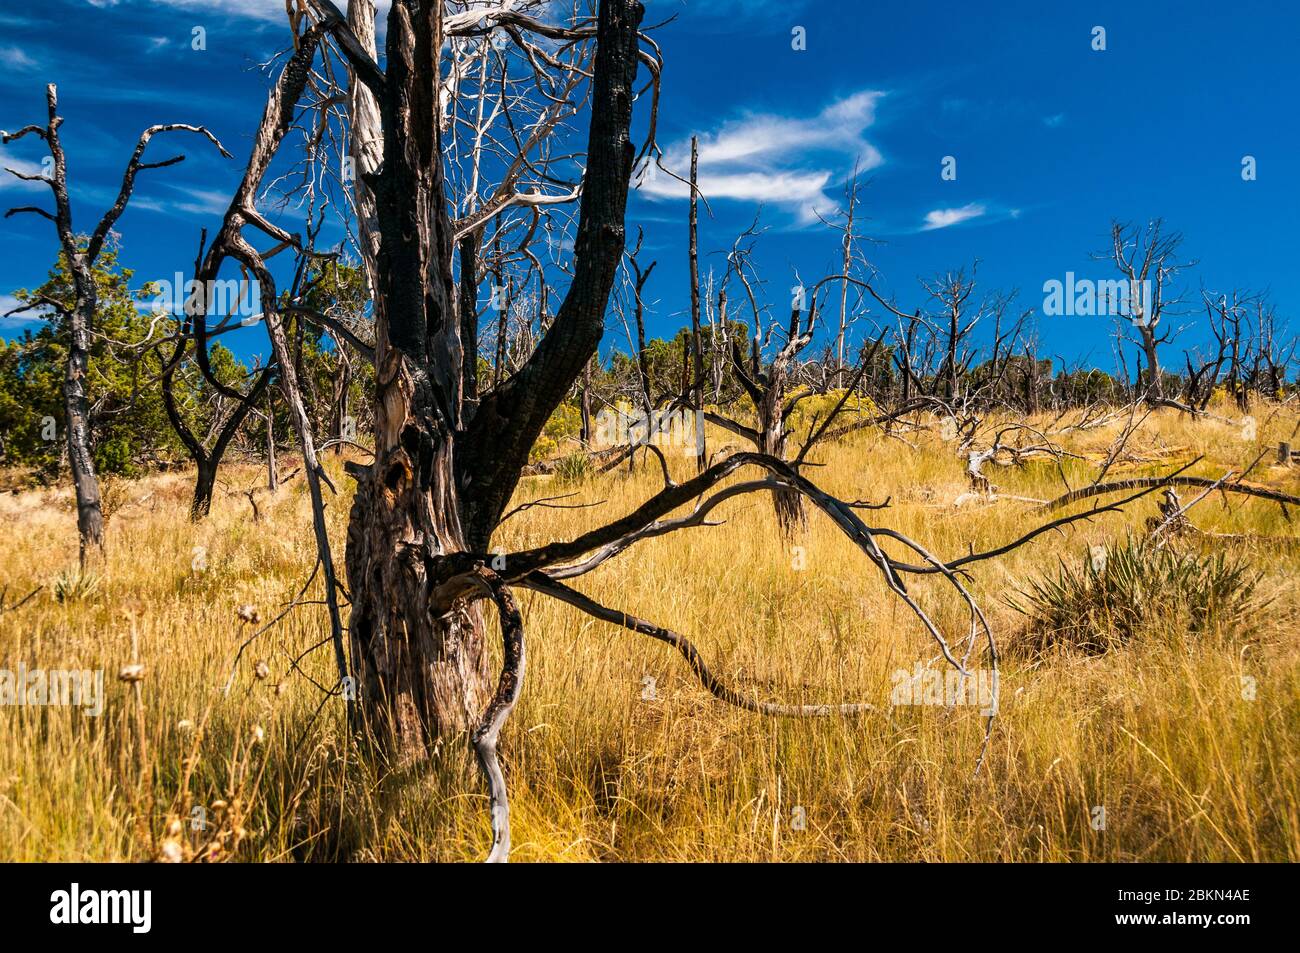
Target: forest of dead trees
[[489, 305]]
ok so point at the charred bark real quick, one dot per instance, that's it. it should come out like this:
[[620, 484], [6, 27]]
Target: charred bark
[[444, 468]]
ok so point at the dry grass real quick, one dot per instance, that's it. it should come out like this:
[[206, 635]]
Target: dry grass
[[1157, 731]]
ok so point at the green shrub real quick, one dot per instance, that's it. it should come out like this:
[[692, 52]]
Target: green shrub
[[574, 468], [1120, 592]]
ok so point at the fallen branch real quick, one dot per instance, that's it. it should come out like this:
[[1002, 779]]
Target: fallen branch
[[543, 583], [1084, 493]]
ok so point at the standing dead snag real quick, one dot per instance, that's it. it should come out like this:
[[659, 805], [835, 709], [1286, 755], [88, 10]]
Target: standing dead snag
[[767, 386], [80, 317], [773, 387], [1146, 258], [697, 343], [445, 468], [207, 454], [230, 243]]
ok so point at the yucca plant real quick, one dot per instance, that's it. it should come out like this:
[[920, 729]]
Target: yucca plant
[[1118, 592], [75, 586], [574, 468]]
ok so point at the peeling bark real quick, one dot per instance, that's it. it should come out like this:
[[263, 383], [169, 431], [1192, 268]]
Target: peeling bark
[[446, 466]]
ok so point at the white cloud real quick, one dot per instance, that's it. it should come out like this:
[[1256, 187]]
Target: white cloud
[[11, 57], [943, 217], [9, 321], [10, 161], [203, 202], [786, 161]]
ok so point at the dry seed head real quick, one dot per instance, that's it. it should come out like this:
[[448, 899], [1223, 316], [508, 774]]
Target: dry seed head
[[131, 673], [131, 609]]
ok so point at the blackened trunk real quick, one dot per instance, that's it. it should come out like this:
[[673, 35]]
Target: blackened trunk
[[205, 482], [787, 503], [584, 399], [1155, 386], [90, 514], [421, 666], [445, 465]]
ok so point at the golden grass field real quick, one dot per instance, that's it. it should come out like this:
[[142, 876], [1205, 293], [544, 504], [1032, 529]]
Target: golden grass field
[[1158, 731]]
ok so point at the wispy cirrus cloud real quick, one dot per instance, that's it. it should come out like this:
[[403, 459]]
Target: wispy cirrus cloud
[[10, 161], [945, 217], [13, 322], [782, 160], [13, 58], [201, 201]]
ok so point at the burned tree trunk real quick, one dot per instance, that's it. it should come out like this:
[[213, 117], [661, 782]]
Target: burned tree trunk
[[205, 481], [697, 385], [787, 502], [90, 515], [444, 468], [80, 316], [584, 407], [1155, 376]]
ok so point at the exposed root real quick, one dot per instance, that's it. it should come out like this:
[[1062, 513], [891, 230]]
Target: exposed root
[[499, 708]]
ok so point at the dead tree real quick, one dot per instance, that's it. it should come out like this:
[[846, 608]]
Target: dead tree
[[446, 467], [80, 317], [697, 341], [1147, 261], [1229, 318], [846, 267], [775, 386], [954, 322], [419, 549], [228, 415], [639, 277], [1203, 373], [765, 383], [1274, 353], [208, 452]]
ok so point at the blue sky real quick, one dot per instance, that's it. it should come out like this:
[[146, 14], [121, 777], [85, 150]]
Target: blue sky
[[1052, 139]]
